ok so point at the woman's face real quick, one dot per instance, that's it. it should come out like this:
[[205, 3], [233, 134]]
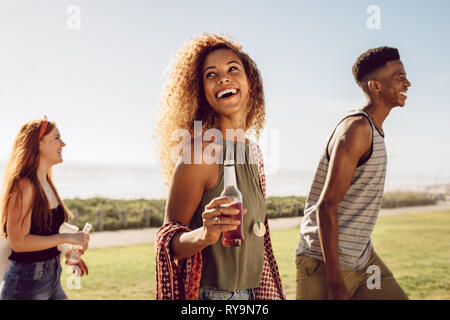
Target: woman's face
[[225, 83], [50, 147]]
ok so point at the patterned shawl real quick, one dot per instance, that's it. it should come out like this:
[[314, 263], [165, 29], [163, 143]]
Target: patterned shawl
[[180, 280]]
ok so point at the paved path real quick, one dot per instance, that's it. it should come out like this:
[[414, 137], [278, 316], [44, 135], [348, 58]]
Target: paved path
[[147, 235]]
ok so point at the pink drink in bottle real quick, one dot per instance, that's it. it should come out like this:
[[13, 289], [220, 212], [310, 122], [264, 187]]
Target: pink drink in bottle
[[232, 238]]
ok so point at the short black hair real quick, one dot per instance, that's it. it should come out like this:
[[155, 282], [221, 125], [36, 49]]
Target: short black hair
[[371, 60]]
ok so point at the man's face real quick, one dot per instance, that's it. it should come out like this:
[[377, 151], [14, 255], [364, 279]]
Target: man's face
[[393, 84]]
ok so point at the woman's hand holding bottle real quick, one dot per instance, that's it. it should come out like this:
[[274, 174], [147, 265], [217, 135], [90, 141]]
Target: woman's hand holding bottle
[[214, 223], [79, 239]]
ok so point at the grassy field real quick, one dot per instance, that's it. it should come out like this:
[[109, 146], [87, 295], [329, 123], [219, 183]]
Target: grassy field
[[414, 246]]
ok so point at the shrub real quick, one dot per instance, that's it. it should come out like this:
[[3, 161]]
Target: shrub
[[396, 199], [86, 210]]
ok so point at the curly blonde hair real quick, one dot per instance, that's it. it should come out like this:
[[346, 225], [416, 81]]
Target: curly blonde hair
[[183, 100]]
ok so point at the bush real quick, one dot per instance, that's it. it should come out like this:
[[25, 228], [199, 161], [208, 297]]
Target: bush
[[291, 206], [397, 199], [86, 210]]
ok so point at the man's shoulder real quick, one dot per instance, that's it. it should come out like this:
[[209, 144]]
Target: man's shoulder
[[357, 123], [355, 128]]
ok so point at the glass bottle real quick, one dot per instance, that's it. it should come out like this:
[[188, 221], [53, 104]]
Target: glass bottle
[[232, 238], [75, 253]]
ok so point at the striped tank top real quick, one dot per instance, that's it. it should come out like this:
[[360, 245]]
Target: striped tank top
[[357, 212]]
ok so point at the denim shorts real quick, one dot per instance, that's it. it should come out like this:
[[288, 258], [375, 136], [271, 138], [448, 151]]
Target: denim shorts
[[33, 281], [213, 294]]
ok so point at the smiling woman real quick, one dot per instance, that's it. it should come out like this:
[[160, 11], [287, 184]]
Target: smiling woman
[[182, 101], [226, 86], [213, 82], [32, 213]]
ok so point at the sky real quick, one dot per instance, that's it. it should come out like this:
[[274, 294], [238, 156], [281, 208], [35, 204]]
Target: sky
[[101, 82]]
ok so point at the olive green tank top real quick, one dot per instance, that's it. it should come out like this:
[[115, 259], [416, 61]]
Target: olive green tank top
[[235, 268]]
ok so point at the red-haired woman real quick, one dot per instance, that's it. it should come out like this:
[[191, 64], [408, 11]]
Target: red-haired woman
[[32, 213], [213, 82]]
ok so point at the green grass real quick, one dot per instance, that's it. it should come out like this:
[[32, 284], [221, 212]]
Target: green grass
[[414, 246], [116, 273]]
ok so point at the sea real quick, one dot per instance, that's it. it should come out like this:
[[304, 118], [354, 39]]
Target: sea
[[136, 181]]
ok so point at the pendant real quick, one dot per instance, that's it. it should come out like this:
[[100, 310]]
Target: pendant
[[259, 229]]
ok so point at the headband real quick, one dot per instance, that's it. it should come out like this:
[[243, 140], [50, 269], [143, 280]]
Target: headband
[[43, 127]]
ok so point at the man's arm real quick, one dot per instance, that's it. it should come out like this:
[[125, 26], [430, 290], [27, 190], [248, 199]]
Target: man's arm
[[350, 142]]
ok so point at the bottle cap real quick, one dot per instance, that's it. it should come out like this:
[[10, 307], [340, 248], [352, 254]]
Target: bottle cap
[[87, 227]]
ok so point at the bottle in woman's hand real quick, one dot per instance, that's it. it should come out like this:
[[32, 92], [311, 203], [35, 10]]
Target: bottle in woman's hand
[[232, 238], [75, 252]]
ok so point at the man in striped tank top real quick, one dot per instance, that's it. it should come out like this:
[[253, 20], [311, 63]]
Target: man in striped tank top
[[335, 256]]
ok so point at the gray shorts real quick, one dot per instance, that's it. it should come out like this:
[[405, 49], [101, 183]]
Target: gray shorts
[[33, 281]]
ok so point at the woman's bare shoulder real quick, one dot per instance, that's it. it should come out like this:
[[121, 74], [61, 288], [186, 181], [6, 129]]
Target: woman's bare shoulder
[[199, 161]]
